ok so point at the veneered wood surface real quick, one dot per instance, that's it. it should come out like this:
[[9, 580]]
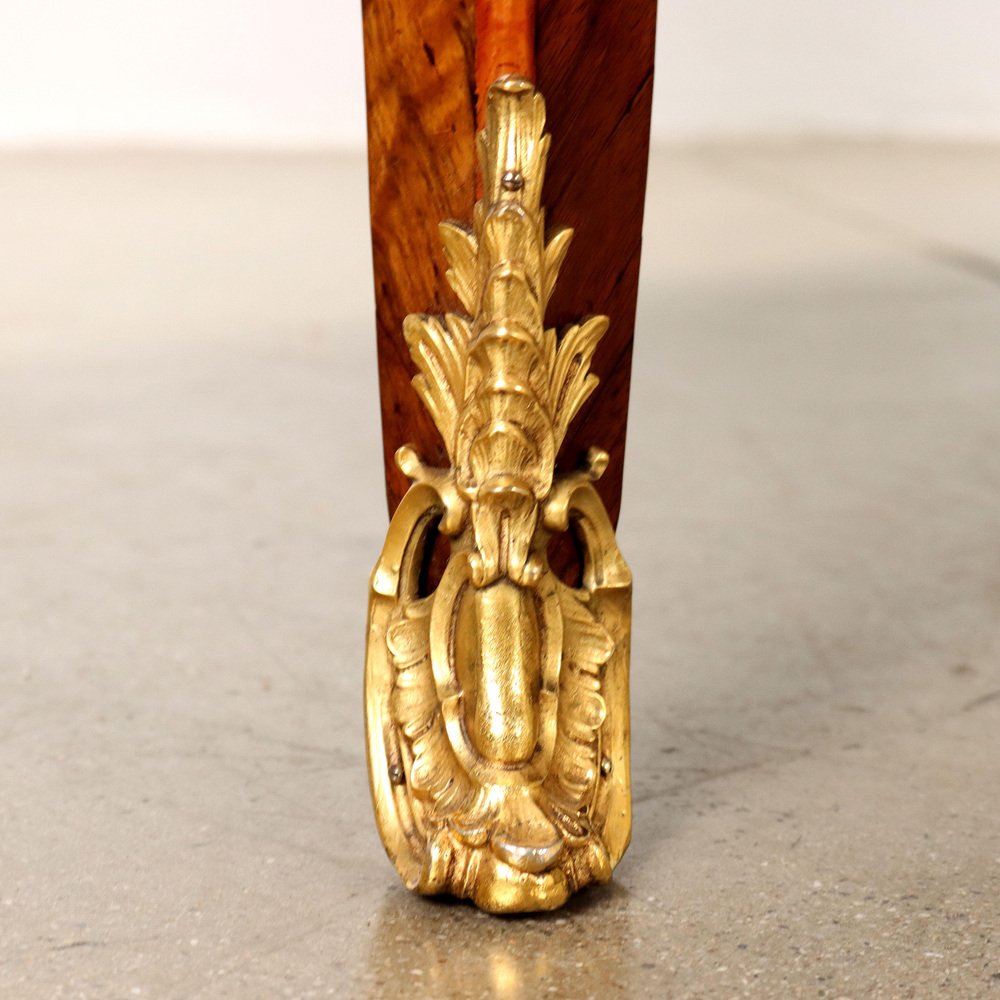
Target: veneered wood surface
[[594, 66], [505, 44]]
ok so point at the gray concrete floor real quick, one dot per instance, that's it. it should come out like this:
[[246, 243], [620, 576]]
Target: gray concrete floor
[[191, 503]]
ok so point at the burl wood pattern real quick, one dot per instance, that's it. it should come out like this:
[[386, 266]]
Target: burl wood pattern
[[594, 65]]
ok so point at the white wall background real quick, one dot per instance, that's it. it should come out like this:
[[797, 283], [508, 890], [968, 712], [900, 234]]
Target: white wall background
[[289, 72]]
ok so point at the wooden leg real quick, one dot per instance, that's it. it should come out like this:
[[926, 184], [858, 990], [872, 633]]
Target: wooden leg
[[497, 687]]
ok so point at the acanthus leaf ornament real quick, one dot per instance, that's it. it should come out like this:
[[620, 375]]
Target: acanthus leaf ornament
[[497, 705]]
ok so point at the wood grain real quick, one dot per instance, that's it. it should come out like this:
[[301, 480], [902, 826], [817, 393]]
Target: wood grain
[[419, 74], [505, 44], [594, 66], [595, 69]]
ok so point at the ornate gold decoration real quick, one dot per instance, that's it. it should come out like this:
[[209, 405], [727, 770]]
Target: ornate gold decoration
[[497, 704]]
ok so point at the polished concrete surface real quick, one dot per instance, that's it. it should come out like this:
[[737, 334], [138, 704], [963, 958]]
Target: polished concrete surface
[[191, 503]]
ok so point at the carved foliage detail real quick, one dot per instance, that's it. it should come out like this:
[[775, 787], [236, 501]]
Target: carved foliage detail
[[499, 701]]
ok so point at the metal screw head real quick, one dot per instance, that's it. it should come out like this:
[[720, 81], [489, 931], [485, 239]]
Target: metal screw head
[[512, 180], [396, 775], [606, 766]]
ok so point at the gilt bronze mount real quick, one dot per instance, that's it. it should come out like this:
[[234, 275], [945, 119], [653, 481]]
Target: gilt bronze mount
[[497, 708]]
